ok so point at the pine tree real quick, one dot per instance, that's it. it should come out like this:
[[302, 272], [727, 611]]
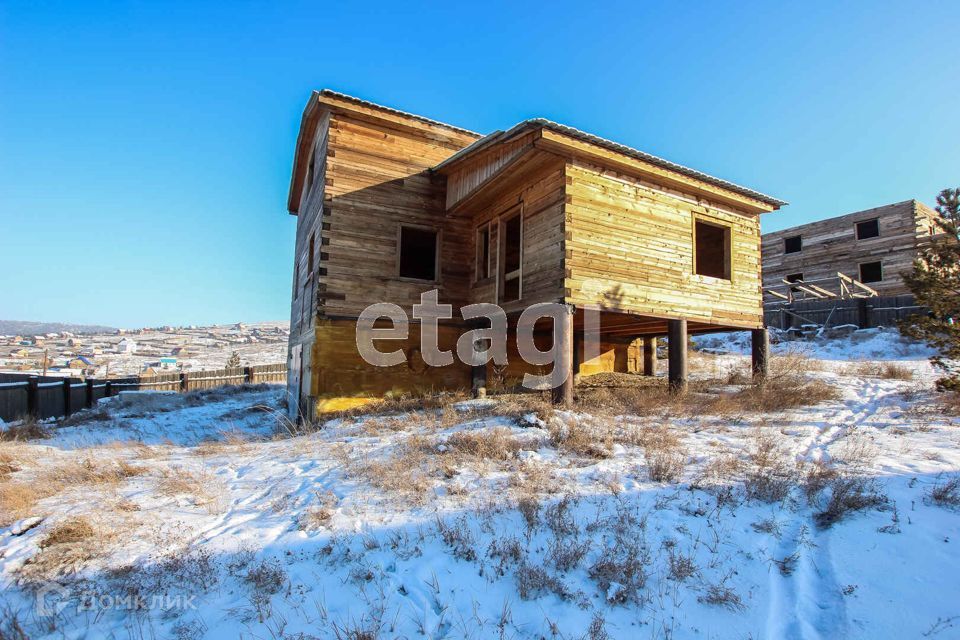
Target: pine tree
[[234, 360], [935, 283]]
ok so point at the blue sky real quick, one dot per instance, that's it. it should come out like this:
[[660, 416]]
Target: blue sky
[[145, 148]]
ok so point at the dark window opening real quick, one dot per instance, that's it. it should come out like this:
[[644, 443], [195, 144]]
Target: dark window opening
[[794, 277], [512, 254], [418, 253], [793, 244], [871, 272], [712, 250], [868, 229], [310, 258], [483, 252]]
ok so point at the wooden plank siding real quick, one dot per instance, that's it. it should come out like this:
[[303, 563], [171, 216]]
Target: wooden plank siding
[[629, 247], [377, 177], [831, 246]]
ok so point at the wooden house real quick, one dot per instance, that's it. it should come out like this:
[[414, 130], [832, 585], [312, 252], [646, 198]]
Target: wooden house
[[390, 205], [874, 247]]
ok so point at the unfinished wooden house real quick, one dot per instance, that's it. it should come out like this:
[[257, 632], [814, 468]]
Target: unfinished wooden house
[[872, 247], [390, 205]]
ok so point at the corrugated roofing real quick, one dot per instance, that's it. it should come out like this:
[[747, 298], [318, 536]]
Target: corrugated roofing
[[373, 105]]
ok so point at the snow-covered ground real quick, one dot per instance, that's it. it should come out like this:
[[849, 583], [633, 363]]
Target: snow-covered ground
[[696, 519]]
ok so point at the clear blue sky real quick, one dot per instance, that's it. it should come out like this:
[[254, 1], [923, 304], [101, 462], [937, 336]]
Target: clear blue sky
[[145, 148]]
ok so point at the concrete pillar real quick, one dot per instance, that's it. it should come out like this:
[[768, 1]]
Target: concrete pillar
[[563, 394], [677, 355], [760, 353], [650, 355]]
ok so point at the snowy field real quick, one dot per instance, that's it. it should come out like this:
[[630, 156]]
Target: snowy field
[[633, 516]]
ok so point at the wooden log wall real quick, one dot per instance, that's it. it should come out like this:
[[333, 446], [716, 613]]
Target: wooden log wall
[[376, 179], [629, 247], [831, 246]]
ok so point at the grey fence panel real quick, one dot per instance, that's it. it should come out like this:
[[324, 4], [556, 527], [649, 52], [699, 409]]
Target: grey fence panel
[[50, 401], [13, 400], [862, 312]]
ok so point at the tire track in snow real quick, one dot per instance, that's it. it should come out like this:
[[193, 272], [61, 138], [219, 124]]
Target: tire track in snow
[[806, 602]]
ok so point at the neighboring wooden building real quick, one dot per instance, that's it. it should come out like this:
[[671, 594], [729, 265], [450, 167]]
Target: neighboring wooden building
[[390, 205], [874, 247]]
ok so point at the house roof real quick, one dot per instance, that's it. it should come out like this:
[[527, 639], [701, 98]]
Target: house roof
[[535, 123], [310, 119]]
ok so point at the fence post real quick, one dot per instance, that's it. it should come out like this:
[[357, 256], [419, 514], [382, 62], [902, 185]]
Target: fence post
[[248, 375], [863, 314], [90, 382], [33, 397], [67, 392], [108, 390], [184, 379]]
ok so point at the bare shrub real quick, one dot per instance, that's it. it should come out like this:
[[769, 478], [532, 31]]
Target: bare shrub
[[495, 444], [265, 579], [529, 508], [458, 537], [507, 551], [770, 477], [559, 517], [886, 370], [681, 566], [567, 553], [534, 582], [722, 596], [817, 476], [535, 478], [946, 492], [665, 457], [621, 571], [849, 495]]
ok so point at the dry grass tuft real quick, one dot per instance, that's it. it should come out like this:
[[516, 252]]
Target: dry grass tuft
[[319, 515], [495, 444], [9, 463], [76, 529], [581, 438], [16, 501], [665, 457], [885, 370]]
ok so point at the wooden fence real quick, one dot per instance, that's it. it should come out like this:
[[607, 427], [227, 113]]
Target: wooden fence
[[880, 311], [24, 394]]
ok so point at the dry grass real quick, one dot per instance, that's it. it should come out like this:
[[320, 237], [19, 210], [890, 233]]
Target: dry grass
[[88, 471], [76, 529], [408, 470], [495, 444], [17, 499], [9, 462], [203, 489], [885, 370], [26, 429], [581, 438]]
